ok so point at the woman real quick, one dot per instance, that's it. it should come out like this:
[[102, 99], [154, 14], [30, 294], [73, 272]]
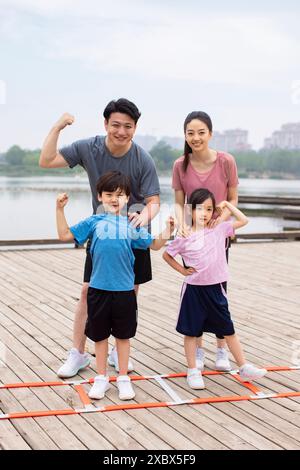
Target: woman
[[203, 167]]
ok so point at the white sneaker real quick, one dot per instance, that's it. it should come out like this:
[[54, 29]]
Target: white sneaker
[[113, 361], [222, 360], [194, 379], [249, 372], [200, 358], [75, 362], [100, 386], [126, 391]]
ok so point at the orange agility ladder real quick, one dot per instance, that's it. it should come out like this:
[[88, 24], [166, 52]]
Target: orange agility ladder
[[89, 407]]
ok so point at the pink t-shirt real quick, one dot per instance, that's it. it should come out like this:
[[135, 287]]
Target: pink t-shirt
[[205, 251], [218, 179]]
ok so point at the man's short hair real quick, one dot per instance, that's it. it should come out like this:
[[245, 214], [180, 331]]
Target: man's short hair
[[122, 105], [113, 180]]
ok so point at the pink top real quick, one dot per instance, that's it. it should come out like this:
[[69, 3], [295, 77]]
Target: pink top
[[205, 251], [218, 179]]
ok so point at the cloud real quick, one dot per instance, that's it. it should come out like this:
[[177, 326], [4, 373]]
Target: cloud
[[156, 41], [221, 50]]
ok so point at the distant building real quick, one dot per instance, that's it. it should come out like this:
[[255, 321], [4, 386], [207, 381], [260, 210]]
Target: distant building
[[145, 141], [288, 137], [233, 139], [174, 142]]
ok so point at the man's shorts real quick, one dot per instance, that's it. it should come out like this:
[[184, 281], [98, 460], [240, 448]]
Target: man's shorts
[[204, 309], [142, 266], [111, 313]]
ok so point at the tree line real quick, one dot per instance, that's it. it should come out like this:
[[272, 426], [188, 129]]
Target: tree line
[[272, 163]]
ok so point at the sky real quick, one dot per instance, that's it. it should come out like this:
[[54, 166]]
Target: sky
[[239, 63]]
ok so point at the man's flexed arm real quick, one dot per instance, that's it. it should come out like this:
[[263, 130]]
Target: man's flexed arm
[[50, 157]]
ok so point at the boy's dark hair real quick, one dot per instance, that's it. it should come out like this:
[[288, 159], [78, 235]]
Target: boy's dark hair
[[201, 116], [112, 181], [199, 196], [122, 105]]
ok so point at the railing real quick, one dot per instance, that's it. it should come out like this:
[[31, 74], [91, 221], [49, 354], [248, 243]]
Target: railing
[[291, 235]]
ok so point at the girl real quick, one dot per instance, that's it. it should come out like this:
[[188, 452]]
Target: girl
[[203, 167], [204, 305]]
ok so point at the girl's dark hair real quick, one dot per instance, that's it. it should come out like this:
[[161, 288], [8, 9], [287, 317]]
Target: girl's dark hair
[[112, 181], [201, 116], [199, 196], [122, 105]]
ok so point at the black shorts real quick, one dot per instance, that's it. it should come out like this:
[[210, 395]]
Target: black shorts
[[111, 313], [204, 308], [142, 266]]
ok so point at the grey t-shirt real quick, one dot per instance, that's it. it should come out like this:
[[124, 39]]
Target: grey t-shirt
[[93, 155]]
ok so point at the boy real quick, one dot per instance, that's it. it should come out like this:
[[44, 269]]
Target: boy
[[97, 155], [112, 307]]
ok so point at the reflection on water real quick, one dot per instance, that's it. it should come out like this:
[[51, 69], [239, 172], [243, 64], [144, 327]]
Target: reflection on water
[[27, 205]]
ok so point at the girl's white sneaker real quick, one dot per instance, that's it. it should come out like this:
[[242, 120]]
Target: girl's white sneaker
[[194, 379], [249, 372]]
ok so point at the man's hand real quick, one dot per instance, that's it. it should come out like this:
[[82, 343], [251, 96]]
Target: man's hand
[[65, 120], [62, 200], [138, 220]]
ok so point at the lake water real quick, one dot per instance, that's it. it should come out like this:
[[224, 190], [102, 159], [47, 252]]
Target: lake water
[[27, 205]]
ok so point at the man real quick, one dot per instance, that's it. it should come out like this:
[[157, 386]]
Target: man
[[98, 155]]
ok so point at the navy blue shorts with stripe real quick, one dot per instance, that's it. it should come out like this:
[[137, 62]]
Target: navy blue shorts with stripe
[[204, 308]]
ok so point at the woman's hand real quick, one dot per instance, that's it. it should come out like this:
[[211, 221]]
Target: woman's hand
[[184, 231], [221, 206], [214, 222], [170, 224]]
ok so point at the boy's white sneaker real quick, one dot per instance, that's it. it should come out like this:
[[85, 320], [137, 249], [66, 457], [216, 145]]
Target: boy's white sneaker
[[100, 386], [113, 361], [74, 363], [126, 391], [249, 372], [194, 379], [222, 360], [200, 358]]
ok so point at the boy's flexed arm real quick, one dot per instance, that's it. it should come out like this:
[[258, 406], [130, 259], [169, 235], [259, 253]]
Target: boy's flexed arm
[[63, 230]]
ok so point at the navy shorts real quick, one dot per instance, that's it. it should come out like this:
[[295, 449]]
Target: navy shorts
[[142, 266], [111, 313], [204, 309]]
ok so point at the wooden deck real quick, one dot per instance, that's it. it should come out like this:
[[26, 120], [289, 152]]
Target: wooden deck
[[38, 294]]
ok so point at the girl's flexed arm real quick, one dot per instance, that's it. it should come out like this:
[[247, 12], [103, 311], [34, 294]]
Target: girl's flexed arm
[[241, 219]]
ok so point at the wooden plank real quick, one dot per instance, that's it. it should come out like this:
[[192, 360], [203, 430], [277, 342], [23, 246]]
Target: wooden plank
[[38, 294]]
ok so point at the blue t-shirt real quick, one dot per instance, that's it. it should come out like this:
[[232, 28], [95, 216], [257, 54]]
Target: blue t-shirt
[[113, 239]]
